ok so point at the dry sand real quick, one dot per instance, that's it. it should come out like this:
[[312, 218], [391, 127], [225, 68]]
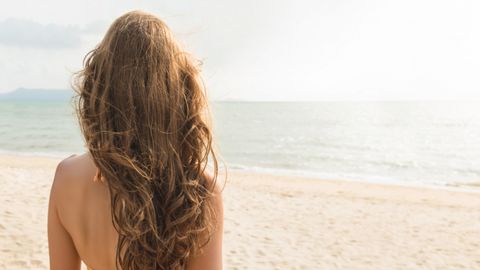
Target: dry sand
[[283, 222]]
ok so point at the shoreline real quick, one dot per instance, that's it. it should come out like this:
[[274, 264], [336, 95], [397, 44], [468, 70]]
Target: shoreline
[[465, 187], [394, 183]]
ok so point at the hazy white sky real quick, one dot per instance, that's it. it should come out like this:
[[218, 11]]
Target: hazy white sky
[[268, 50]]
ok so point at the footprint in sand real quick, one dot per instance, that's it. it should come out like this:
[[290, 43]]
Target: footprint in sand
[[36, 262]]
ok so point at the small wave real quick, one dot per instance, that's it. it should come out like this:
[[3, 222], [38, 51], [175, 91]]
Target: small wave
[[365, 178], [49, 154]]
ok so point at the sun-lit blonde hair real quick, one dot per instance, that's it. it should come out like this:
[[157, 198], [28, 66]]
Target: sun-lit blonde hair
[[142, 111]]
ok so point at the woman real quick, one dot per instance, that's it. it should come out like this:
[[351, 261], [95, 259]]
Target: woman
[[141, 197]]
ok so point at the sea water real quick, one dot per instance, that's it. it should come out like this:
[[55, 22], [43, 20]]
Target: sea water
[[433, 143]]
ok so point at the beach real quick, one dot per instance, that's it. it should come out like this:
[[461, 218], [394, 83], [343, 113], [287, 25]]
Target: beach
[[282, 222]]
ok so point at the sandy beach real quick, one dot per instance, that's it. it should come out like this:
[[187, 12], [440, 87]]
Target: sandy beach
[[282, 222]]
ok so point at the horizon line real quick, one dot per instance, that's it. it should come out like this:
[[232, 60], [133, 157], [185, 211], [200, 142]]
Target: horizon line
[[233, 100]]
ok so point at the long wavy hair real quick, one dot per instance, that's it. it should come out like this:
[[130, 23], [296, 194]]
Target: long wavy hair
[[143, 112]]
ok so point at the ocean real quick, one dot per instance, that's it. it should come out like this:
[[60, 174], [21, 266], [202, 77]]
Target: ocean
[[412, 143]]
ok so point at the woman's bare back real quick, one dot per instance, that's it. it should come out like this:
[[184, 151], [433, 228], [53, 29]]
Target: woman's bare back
[[80, 223], [83, 207]]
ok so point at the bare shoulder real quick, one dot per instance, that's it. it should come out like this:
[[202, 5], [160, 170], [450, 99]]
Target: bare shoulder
[[70, 177], [213, 183], [75, 161], [216, 186]]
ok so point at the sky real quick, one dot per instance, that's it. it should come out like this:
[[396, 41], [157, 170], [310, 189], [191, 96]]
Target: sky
[[297, 50]]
